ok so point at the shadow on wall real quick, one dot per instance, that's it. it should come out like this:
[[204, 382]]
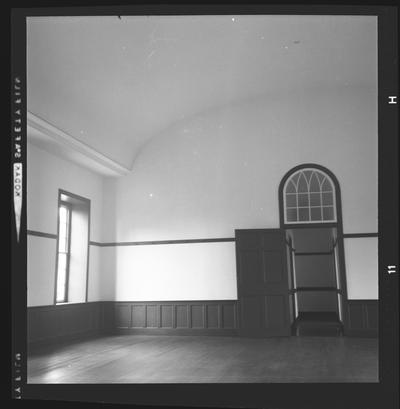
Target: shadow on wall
[[220, 170]]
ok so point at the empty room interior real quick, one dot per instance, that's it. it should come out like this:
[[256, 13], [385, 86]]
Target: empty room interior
[[202, 199]]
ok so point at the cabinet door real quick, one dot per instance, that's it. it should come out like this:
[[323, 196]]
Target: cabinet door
[[263, 293]]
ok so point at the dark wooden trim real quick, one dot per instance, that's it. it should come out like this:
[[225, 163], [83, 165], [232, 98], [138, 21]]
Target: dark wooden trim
[[41, 234], [172, 302], [155, 242], [177, 331], [357, 235], [292, 300], [335, 269], [301, 289], [371, 301], [322, 253], [342, 267], [289, 244], [289, 226], [261, 230], [143, 243]]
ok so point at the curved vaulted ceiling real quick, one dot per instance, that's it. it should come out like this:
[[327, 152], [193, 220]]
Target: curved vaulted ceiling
[[113, 83]]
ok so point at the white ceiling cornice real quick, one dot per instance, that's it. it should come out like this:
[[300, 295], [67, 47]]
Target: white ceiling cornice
[[66, 142]]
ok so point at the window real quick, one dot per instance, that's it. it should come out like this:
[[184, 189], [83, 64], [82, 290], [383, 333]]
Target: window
[[63, 256], [71, 284], [309, 197]]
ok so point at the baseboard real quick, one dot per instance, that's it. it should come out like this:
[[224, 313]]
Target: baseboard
[[177, 331], [57, 324], [362, 333], [362, 318]]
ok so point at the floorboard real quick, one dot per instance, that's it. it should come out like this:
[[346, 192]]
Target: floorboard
[[202, 359]]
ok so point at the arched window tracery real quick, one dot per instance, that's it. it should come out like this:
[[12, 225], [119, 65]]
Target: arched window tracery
[[309, 197]]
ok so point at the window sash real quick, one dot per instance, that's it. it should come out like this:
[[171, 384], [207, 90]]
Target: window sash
[[63, 253], [301, 206]]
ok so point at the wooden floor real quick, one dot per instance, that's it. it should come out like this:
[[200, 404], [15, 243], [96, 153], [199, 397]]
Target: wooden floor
[[201, 359]]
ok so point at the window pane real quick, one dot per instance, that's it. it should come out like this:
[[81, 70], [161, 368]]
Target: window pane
[[291, 215], [61, 276], [302, 186], [314, 184], [327, 198], [304, 215], [303, 199], [62, 245], [62, 238], [315, 213], [307, 174], [326, 186], [315, 199], [327, 213], [63, 214], [320, 177], [290, 187], [291, 200], [295, 178]]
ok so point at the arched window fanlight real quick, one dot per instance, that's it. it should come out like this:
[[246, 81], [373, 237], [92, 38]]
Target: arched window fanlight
[[309, 197]]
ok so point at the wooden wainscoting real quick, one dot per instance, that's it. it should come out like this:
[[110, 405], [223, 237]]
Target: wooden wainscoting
[[176, 317], [58, 323], [362, 318]]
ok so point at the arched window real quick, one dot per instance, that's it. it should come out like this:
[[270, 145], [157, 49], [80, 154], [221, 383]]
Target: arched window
[[309, 197]]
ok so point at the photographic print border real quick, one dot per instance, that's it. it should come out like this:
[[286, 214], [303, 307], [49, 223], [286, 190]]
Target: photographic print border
[[316, 395]]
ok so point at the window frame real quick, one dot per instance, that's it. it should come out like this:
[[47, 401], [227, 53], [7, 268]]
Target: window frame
[[300, 171], [70, 199], [67, 205]]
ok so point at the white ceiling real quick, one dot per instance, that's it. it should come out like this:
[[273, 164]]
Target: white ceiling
[[113, 83]]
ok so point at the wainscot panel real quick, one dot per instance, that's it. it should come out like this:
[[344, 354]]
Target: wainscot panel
[[63, 322], [362, 318], [176, 317]]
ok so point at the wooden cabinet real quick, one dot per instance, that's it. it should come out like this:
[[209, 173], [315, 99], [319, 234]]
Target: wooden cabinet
[[263, 293]]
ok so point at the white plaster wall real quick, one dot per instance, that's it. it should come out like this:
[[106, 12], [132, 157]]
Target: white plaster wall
[[109, 273], [41, 269], [361, 257], [95, 269], [46, 174], [201, 271]]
